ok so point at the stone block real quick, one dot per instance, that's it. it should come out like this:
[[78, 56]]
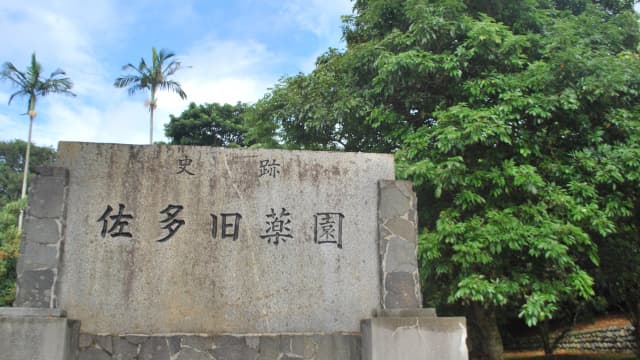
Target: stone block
[[191, 354], [400, 256], [93, 354], [31, 312], [236, 352], [37, 338], [402, 228], [264, 241], [198, 342], [393, 202], [42, 231], [414, 338], [34, 288], [409, 312], [46, 197], [34, 256], [401, 291], [154, 349], [124, 350]]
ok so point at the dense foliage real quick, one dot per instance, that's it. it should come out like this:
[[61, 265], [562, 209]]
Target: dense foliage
[[9, 249], [208, 124], [517, 120], [12, 163]]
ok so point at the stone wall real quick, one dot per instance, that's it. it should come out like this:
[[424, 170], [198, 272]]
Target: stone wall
[[187, 239], [225, 347], [610, 339], [37, 334], [42, 245], [214, 274], [398, 228]]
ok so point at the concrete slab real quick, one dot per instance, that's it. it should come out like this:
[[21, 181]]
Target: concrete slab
[[414, 338], [37, 338]]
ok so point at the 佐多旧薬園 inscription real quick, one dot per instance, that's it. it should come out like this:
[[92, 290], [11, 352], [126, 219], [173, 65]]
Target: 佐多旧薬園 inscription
[[279, 225]]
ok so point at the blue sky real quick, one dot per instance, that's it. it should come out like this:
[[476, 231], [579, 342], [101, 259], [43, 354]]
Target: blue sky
[[236, 50]]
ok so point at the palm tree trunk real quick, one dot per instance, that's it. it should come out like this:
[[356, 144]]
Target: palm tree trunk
[[151, 126], [152, 107], [25, 173]]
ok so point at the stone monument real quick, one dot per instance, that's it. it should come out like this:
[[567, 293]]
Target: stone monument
[[181, 252]]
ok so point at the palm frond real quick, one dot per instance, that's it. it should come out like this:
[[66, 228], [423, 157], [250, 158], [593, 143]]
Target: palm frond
[[173, 86], [17, 93], [127, 80], [10, 72], [60, 86]]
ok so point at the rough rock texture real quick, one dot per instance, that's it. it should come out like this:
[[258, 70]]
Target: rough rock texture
[[414, 338], [37, 334], [186, 239], [397, 221], [224, 347], [42, 244], [610, 339]]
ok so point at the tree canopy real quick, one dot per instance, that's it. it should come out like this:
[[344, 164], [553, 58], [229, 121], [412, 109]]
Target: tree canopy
[[208, 124], [516, 120], [12, 162]]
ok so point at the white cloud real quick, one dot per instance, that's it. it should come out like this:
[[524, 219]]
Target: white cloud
[[78, 36], [220, 71], [321, 17]]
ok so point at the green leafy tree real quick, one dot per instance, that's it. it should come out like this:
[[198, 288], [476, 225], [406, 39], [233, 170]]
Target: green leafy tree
[[209, 124], [152, 77], [9, 249], [516, 120], [12, 162], [324, 110], [31, 84]]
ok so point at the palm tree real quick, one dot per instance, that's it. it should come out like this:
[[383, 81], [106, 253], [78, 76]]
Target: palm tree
[[31, 84], [152, 78]]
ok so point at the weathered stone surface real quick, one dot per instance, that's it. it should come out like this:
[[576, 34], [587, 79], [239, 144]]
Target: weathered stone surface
[[174, 343], [392, 202], [410, 312], [265, 347], [93, 354], [414, 338], [398, 245], [198, 342], [48, 197], [123, 349], [226, 340], [37, 338], [154, 349], [38, 256], [105, 342], [401, 291], [270, 347], [191, 354], [42, 231], [31, 312], [236, 352], [136, 339], [338, 347], [34, 288], [402, 228], [85, 340], [197, 283], [400, 256]]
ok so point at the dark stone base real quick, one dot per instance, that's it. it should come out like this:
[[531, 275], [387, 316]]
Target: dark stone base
[[223, 347]]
